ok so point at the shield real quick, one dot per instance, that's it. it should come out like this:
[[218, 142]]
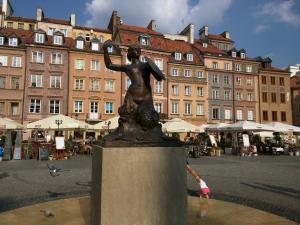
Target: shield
[[155, 70]]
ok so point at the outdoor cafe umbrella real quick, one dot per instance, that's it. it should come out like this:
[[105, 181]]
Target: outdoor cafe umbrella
[[68, 123], [178, 125], [8, 124], [214, 127], [113, 124], [282, 127], [247, 126]]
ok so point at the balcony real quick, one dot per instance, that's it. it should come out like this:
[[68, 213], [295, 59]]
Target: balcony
[[93, 117]]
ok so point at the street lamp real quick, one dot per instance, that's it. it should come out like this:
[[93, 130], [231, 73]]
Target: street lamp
[[108, 124], [58, 123]]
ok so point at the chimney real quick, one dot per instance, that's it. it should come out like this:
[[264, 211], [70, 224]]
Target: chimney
[[39, 14], [203, 32], [73, 19], [152, 25], [7, 10], [114, 22], [226, 34], [189, 32]]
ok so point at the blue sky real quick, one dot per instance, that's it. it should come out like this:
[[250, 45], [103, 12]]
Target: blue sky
[[262, 27]]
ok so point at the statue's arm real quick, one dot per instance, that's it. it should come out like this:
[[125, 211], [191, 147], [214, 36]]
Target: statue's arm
[[107, 60], [155, 70]]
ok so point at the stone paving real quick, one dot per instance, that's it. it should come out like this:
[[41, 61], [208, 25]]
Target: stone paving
[[269, 183]]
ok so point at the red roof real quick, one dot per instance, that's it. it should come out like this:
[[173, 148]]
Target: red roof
[[219, 37], [21, 19], [144, 30], [210, 48], [57, 21]]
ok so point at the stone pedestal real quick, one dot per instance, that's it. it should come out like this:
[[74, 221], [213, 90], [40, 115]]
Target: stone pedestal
[[139, 186]]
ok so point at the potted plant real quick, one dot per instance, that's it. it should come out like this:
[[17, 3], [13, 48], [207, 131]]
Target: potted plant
[[29, 150]]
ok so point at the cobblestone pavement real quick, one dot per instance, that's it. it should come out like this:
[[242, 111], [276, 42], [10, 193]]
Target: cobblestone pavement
[[270, 183]]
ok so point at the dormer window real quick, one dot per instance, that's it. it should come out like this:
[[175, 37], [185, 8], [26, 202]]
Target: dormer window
[[177, 55], [1, 40], [243, 55], [95, 46], [13, 41], [57, 40], [39, 38], [144, 41], [110, 49], [233, 54], [204, 45], [189, 57], [79, 44]]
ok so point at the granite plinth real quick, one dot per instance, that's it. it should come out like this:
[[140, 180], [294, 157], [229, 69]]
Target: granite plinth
[[142, 186]]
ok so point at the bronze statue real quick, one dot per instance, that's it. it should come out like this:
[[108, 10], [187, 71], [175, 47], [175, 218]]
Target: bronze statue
[[139, 122]]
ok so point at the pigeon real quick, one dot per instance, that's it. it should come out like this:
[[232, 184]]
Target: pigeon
[[54, 172], [47, 213]]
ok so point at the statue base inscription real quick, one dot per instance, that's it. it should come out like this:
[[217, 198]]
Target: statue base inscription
[[139, 186]]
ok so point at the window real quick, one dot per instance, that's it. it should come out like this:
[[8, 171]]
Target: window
[[227, 95], [283, 116], [15, 83], [187, 90], [204, 45], [249, 69], [215, 78], [79, 44], [79, 84], [215, 94], [10, 24], [282, 97], [2, 82], [263, 80], [250, 97], [109, 107], [226, 66], [64, 31], [200, 91], [94, 107], [175, 89], [238, 67], [200, 74], [200, 110], [215, 114], [128, 83], [233, 54], [226, 79], [238, 80], [79, 64], [187, 108], [78, 106], [239, 96], [35, 106], [14, 108], [95, 65], [51, 30], [227, 114], [36, 80], [187, 73], [177, 56], [250, 115], [95, 46], [144, 41], [175, 107], [110, 49], [158, 107], [39, 38], [189, 57], [37, 57], [159, 63], [56, 58], [16, 61], [3, 60], [226, 47], [215, 65], [13, 41], [58, 40], [21, 26], [1, 40], [249, 81], [264, 96], [265, 115], [274, 115], [158, 87], [109, 85], [243, 55], [55, 81], [101, 39], [239, 114], [54, 107], [273, 82], [95, 84], [31, 26], [174, 72], [2, 107], [281, 81], [273, 97]]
